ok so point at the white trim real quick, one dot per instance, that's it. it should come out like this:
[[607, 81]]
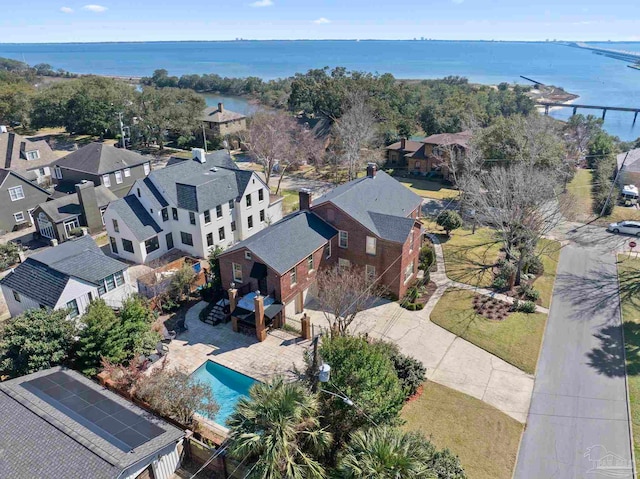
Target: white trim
[[16, 193], [106, 180], [19, 217], [118, 175], [127, 172]]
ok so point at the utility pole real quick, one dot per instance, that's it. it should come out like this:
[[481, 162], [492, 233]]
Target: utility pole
[[615, 180], [314, 365], [204, 138], [122, 137]]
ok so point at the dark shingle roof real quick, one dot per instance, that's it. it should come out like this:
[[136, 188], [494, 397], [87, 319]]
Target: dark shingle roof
[[14, 148], [153, 194], [632, 165], [136, 217], [100, 158], [48, 443], [5, 173], [370, 201], [68, 206], [284, 244], [195, 186], [38, 282]]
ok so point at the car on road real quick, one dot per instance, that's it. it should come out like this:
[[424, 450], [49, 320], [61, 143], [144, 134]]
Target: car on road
[[626, 227]]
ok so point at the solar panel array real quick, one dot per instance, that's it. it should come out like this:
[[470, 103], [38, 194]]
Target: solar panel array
[[120, 426]]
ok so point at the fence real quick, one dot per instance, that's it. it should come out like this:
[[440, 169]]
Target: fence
[[199, 455]]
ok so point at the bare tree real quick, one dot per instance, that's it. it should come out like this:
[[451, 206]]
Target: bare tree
[[305, 148], [354, 131], [520, 201], [342, 294]]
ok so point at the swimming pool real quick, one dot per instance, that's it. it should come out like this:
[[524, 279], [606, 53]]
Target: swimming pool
[[228, 387]]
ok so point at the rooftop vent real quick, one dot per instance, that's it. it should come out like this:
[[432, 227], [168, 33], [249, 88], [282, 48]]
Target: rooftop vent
[[199, 155], [214, 169]]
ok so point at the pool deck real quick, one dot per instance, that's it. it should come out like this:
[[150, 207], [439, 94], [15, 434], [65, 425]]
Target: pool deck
[[280, 354]]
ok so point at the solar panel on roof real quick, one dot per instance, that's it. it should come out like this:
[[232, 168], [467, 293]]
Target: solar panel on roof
[[120, 426]]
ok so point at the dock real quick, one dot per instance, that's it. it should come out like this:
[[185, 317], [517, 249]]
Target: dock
[[549, 104]]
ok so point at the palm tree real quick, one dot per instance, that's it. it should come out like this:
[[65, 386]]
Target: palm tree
[[277, 429], [388, 453]]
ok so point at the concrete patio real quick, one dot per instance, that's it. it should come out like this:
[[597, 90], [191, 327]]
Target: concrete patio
[[280, 354]]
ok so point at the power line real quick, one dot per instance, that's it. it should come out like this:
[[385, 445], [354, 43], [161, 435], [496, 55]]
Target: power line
[[215, 455]]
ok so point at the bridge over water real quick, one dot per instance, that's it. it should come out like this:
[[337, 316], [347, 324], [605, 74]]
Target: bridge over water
[[551, 104]]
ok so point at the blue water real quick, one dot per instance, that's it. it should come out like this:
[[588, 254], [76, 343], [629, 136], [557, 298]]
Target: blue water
[[228, 387], [596, 78]]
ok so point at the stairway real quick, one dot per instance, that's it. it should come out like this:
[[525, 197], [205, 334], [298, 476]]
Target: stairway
[[216, 315]]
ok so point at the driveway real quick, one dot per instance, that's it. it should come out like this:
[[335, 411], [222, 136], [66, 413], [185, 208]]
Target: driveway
[[579, 406], [449, 360]]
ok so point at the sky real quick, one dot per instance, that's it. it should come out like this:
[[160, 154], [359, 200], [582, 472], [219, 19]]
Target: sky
[[44, 21]]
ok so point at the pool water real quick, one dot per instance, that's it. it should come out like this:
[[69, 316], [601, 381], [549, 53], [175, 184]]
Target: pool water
[[228, 387]]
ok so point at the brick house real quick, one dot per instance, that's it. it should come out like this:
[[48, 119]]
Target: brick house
[[430, 154], [370, 223], [221, 122]]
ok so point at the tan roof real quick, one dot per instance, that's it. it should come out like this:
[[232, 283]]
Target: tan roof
[[408, 145], [16, 159], [445, 139], [214, 115]]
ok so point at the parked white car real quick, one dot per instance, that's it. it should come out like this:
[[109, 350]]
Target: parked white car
[[626, 227]]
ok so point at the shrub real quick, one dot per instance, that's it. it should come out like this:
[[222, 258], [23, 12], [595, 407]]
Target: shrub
[[9, 254], [527, 307], [499, 283], [533, 265], [427, 257], [529, 292], [76, 232], [412, 294], [414, 306], [410, 371], [516, 305], [449, 220]]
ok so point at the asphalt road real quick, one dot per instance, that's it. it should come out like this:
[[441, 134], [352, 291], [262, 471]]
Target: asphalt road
[[578, 412]]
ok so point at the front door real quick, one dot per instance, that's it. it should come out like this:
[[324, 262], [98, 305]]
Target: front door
[[299, 303], [169, 238]]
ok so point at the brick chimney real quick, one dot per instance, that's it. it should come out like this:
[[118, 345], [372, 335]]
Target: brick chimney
[[220, 107], [371, 170], [86, 192], [305, 199], [403, 143], [261, 331]]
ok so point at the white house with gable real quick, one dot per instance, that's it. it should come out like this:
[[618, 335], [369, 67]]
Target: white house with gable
[[193, 205]]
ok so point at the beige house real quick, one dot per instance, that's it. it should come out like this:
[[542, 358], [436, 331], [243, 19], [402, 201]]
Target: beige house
[[221, 122]]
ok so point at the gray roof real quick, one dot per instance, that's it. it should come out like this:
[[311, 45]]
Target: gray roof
[[5, 173], [14, 148], [632, 164], [374, 202], [136, 217], [80, 258], [284, 244], [100, 158], [214, 115], [68, 206], [152, 194], [197, 186], [48, 443], [38, 282], [215, 158]]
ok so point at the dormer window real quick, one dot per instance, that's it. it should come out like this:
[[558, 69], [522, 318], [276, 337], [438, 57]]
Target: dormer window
[[33, 155]]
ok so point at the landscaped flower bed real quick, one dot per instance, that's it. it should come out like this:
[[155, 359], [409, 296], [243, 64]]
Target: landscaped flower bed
[[491, 308]]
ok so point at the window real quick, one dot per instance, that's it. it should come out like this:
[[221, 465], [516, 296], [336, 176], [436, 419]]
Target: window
[[72, 306], [247, 255], [371, 245], [174, 213], [102, 210], [19, 217], [114, 245], [110, 282], [327, 250], [57, 172], [237, 272], [127, 245], [119, 277], [370, 272], [165, 214], [294, 276], [231, 204], [207, 217], [261, 216], [151, 244], [16, 193], [115, 225], [169, 239], [71, 225], [33, 155], [209, 239], [343, 239], [106, 181], [260, 194], [417, 165], [127, 172], [219, 211], [408, 272], [233, 226], [331, 215], [42, 172], [221, 233], [250, 222], [186, 238], [16, 296], [310, 262], [147, 168], [118, 177], [344, 264], [411, 241], [248, 200], [192, 217]]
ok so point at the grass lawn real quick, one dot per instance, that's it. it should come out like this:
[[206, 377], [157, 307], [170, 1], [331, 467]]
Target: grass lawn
[[516, 339], [549, 254], [580, 189], [291, 201], [429, 189], [629, 278], [485, 439]]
